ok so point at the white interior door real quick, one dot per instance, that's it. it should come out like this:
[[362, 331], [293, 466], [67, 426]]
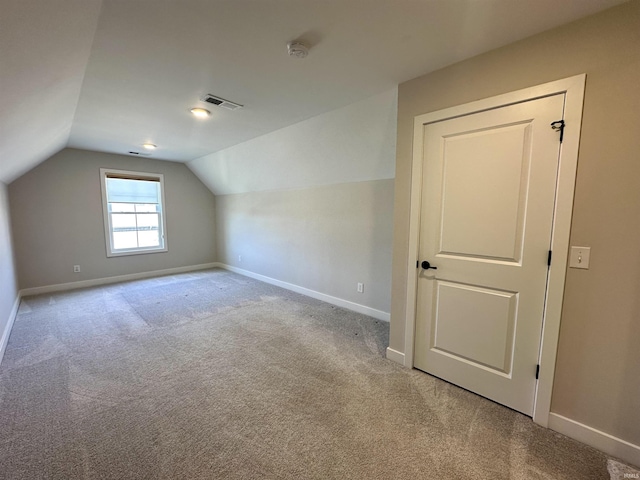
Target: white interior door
[[489, 184]]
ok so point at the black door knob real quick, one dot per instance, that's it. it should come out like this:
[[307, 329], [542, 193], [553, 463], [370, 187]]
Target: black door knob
[[426, 265]]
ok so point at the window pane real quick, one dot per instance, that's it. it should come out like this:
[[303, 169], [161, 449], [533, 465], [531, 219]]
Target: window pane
[[146, 207], [122, 207], [149, 238], [125, 240], [123, 221], [147, 221]]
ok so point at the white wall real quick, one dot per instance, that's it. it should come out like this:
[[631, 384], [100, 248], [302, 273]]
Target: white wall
[[326, 239], [351, 144], [8, 283], [312, 204]]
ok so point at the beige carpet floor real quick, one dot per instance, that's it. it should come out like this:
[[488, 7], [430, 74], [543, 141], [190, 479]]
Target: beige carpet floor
[[211, 375]]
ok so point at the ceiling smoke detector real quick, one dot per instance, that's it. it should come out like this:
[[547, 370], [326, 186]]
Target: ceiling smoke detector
[[221, 102], [297, 49]]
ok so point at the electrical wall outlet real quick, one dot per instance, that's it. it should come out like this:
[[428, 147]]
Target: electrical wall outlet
[[239, 258], [360, 287], [76, 269]]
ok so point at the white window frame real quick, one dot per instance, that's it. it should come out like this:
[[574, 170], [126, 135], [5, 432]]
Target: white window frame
[[111, 252]]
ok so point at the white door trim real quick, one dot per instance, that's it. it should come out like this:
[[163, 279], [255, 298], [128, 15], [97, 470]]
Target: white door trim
[[573, 88]]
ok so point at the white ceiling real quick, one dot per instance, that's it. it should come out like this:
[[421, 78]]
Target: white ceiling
[[111, 75], [44, 49]]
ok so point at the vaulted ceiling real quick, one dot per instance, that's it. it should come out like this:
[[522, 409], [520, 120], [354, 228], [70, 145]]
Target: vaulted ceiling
[[111, 75]]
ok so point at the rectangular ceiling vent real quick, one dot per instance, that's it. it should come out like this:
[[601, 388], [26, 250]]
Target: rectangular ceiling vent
[[221, 102]]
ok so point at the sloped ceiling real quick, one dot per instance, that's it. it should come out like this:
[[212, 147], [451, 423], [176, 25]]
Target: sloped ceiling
[[44, 49], [112, 75]]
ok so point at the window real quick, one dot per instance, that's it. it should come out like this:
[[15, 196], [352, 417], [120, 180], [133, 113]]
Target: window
[[133, 212]]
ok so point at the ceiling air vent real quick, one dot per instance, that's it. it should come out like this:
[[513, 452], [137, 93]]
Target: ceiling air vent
[[140, 153], [221, 102]]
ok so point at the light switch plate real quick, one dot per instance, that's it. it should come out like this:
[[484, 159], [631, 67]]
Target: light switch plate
[[580, 257]]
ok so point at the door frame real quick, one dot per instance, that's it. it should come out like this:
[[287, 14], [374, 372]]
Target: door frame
[[573, 88]]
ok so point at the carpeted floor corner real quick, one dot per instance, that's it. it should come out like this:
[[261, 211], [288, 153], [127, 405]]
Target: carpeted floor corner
[[211, 375]]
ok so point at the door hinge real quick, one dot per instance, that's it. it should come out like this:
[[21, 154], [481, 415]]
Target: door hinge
[[558, 125], [537, 371], [549, 259]]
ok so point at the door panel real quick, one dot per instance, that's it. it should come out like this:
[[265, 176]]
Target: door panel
[[485, 183], [487, 339], [488, 195]]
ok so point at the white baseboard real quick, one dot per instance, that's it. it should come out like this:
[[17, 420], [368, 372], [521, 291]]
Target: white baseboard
[[604, 442], [7, 329], [118, 278], [395, 356], [356, 307]]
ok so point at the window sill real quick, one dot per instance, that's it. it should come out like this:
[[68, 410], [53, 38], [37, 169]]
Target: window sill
[[126, 253]]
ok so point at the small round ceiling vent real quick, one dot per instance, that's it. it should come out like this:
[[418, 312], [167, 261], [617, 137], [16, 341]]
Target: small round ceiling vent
[[297, 49]]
